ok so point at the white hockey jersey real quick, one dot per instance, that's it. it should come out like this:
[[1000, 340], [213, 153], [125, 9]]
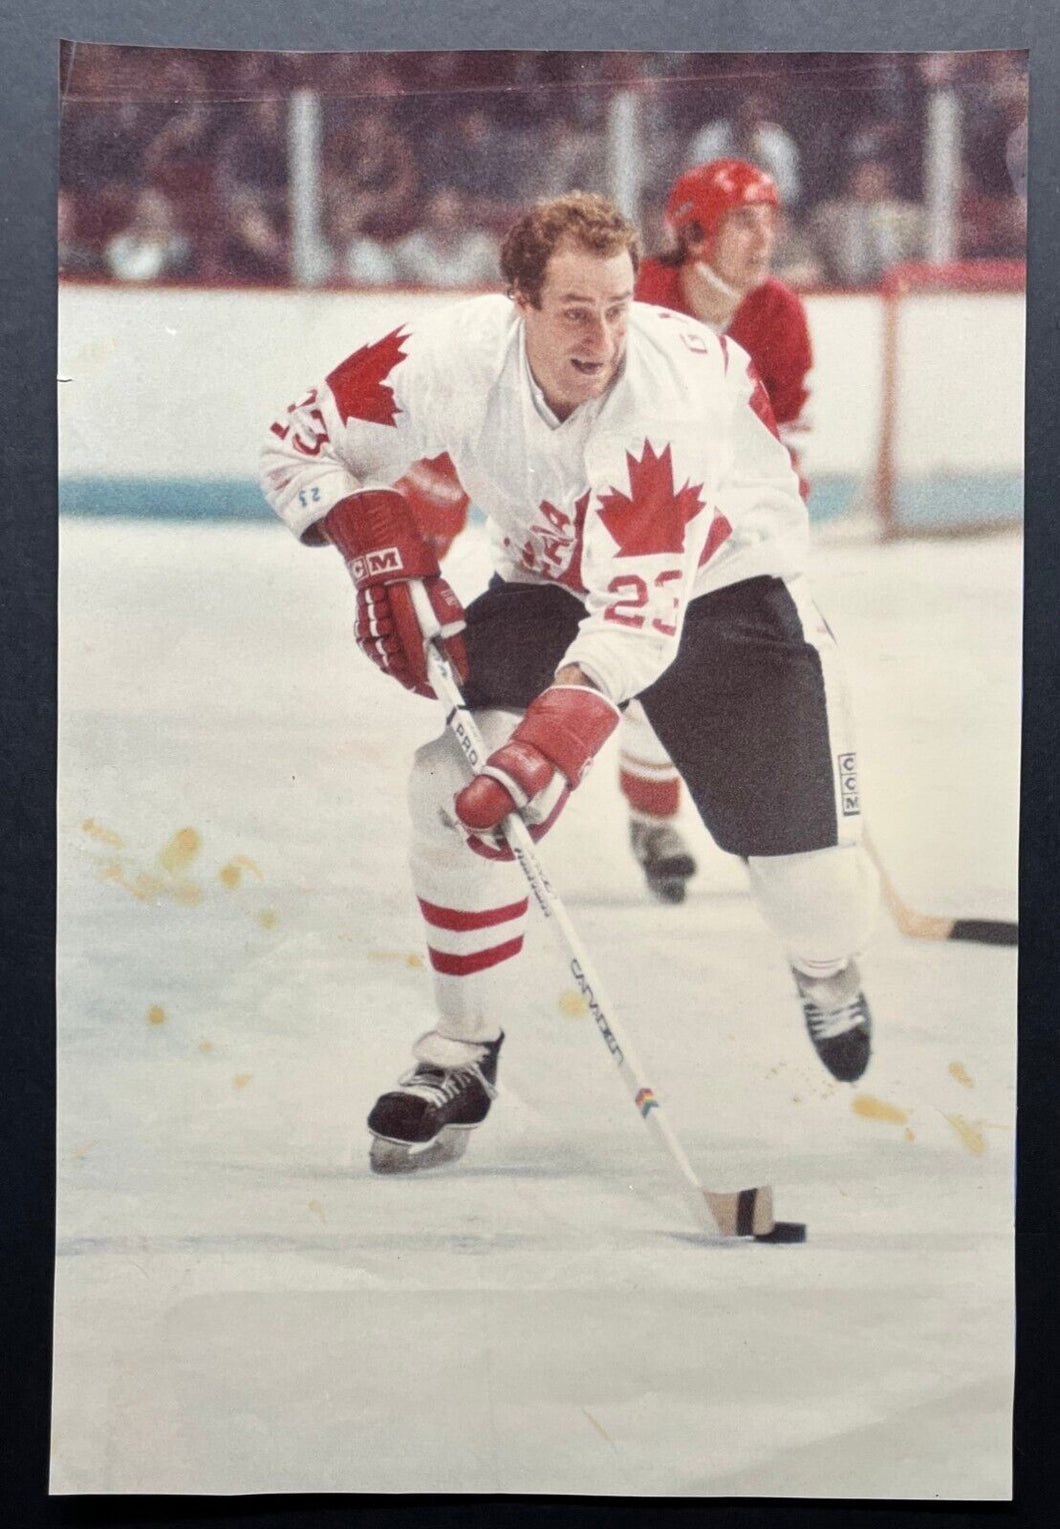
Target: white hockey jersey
[[674, 483]]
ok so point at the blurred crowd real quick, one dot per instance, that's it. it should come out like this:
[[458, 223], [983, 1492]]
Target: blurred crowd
[[175, 165]]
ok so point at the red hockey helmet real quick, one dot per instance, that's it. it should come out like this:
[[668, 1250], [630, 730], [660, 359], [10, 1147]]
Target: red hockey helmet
[[704, 195]]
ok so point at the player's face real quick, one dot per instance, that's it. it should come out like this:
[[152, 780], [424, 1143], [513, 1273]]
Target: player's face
[[743, 246], [576, 337]]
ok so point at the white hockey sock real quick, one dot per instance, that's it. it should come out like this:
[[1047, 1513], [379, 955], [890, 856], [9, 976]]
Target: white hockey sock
[[440, 1050], [821, 905], [474, 908]]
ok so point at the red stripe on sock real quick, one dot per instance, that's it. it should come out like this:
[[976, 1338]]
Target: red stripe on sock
[[465, 966], [655, 798], [457, 918]]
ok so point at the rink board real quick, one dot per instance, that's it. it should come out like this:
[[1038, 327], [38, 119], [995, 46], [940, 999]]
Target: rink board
[[959, 435]]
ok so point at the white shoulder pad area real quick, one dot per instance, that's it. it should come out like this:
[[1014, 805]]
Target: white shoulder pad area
[[468, 339]]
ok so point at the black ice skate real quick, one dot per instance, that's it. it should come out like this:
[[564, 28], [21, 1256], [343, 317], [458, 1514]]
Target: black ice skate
[[428, 1118], [838, 1020], [664, 857]]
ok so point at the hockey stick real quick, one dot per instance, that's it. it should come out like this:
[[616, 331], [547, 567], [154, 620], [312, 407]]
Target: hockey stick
[[935, 926], [742, 1213]]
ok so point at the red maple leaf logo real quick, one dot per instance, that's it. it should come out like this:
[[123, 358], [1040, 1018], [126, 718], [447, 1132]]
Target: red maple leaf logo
[[651, 517], [358, 383], [720, 531]]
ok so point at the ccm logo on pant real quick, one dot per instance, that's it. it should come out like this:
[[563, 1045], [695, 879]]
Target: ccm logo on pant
[[385, 560], [848, 784]]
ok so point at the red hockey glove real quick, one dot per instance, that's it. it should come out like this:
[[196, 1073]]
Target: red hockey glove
[[376, 534], [562, 731]]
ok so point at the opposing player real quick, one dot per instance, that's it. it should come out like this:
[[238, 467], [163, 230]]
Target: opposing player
[[723, 216], [649, 540]]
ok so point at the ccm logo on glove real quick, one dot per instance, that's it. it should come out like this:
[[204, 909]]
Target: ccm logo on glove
[[386, 561], [377, 535]]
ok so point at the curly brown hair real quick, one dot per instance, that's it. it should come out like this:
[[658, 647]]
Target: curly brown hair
[[582, 217]]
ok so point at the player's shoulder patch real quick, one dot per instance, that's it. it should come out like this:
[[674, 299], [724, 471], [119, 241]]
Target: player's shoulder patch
[[673, 332]]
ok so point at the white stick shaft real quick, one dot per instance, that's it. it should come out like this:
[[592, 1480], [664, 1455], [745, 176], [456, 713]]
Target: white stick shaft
[[716, 1213]]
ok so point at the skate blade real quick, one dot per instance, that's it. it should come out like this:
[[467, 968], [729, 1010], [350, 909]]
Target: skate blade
[[400, 1157]]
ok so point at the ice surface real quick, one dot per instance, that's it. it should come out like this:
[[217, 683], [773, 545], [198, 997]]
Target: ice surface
[[242, 1307]]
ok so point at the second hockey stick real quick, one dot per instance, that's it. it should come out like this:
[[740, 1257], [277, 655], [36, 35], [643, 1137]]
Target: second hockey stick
[[936, 926], [740, 1213]]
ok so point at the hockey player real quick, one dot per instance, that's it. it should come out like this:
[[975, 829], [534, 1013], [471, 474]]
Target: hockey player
[[723, 216], [649, 539]]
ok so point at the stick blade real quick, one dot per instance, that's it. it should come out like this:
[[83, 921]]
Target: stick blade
[[985, 931], [784, 1231], [747, 1213]]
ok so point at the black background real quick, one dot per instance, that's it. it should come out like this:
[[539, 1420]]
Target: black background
[[29, 36]]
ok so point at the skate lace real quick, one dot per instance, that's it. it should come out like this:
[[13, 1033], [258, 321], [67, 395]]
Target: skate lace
[[826, 1024], [441, 1085]]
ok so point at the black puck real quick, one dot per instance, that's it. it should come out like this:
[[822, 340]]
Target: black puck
[[784, 1231]]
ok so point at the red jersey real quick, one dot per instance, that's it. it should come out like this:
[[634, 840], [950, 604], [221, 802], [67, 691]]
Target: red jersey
[[770, 324]]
